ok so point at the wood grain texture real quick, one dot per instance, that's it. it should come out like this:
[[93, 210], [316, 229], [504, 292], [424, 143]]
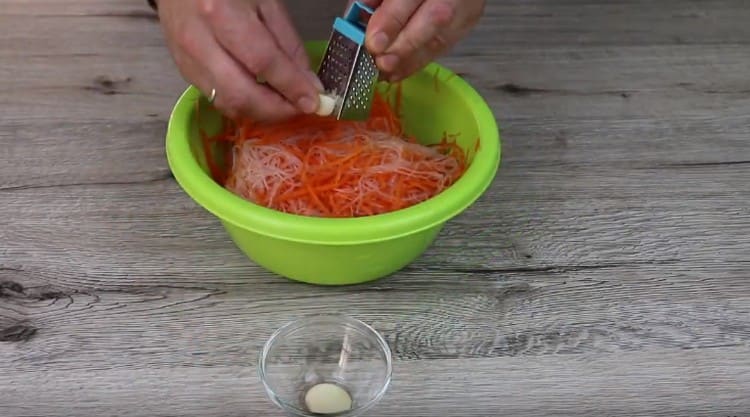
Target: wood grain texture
[[605, 273]]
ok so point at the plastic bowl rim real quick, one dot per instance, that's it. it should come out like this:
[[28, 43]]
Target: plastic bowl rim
[[246, 215]]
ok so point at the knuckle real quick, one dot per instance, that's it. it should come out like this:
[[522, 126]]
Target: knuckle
[[186, 40], [442, 12], [437, 43], [259, 62], [411, 44], [393, 16], [300, 55], [207, 8]]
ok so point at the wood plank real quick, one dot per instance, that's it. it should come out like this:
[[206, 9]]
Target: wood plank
[[654, 383], [633, 273], [656, 227], [173, 321]]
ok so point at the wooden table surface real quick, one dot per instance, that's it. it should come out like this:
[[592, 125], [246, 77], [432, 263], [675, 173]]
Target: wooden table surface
[[605, 273]]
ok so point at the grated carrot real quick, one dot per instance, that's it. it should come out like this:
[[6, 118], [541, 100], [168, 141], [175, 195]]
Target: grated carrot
[[324, 167]]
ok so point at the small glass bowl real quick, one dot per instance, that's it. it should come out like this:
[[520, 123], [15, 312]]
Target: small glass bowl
[[329, 349]]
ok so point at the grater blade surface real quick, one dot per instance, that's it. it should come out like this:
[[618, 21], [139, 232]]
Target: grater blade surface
[[337, 66], [359, 93], [347, 70]]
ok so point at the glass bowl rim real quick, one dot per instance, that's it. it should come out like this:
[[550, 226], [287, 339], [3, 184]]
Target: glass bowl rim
[[317, 319]]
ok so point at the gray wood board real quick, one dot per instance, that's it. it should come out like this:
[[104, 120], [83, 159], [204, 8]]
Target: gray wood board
[[605, 272]]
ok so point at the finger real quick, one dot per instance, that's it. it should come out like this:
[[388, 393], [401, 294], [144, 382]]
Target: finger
[[247, 39], [208, 66], [387, 22], [240, 93], [276, 17], [427, 25]]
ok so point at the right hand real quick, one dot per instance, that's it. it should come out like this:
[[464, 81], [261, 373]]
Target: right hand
[[406, 35], [228, 44]]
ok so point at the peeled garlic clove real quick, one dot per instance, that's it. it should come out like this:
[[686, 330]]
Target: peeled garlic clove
[[327, 399], [327, 104]]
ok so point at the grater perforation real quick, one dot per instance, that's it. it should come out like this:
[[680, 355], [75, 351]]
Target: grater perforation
[[347, 70]]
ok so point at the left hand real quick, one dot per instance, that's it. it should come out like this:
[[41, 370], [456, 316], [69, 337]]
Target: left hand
[[406, 35]]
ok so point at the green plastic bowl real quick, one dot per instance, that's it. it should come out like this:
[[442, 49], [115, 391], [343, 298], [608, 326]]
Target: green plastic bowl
[[328, 251]]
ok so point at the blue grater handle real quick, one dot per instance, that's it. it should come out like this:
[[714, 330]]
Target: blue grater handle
[[357, 11], [353, 26]]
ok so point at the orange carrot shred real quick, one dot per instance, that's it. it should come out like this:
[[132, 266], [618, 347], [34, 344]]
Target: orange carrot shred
[[320, 166]]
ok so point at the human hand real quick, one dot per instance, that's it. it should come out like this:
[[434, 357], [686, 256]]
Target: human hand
[[227, 45], [406, 35]]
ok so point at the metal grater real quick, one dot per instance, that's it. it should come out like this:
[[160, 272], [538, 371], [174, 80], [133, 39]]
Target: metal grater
[[347, 70]]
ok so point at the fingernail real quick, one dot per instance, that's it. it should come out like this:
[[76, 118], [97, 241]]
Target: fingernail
[[316, 81], [379, 42], [389, 63], [308, 104]]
